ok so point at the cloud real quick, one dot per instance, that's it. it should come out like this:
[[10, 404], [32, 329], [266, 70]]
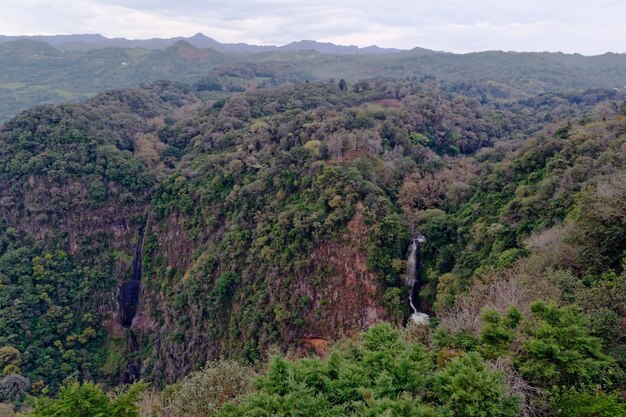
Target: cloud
[[452, 25]]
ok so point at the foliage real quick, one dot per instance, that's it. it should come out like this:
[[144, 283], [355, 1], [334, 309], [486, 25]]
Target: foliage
[[282, 217], [47, 312], [467, 388], [588, 401], [61, 75], [73, 180], [381, 374], [498, 332], [202, 393], [13, 387], [559, 349], [88, 400], [9, 356]]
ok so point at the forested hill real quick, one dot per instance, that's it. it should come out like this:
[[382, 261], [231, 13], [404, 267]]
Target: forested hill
[[144, 231], [33, 72]]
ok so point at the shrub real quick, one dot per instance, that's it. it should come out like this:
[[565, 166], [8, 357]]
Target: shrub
[[202, 393], [12, 387], [380, 375], [559, 349], [466, 387], [88, 400], [587, 402]]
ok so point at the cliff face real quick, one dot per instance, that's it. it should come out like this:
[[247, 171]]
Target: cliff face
[[75, 189], [350, 297], [199, 313]]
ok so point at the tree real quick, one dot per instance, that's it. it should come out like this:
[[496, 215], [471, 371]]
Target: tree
[[498, 331], [9, 356], [467, 388], [381, 375], [586, 402], [559, 349], [88, 400], [12, 387], [202, 393]]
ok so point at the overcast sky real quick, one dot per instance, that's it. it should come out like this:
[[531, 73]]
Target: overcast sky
[[588, 27]]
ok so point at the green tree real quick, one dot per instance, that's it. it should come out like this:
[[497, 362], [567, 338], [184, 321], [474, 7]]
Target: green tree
[[9, 356], [382, 374], [89, 400], [498, 331], [587, 402], [466, 388], [202, 393], [559, 349]]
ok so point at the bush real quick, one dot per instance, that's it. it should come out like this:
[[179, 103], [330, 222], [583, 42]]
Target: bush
[[202, 393], [12, 387], [559, 349], [466, 387], [587, 402], [88, 400], [381, 375]]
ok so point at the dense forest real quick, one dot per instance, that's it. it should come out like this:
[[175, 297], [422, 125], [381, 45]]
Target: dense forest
[[202, 249], [34, 72]]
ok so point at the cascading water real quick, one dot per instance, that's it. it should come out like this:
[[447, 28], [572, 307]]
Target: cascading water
[[129, 289], [411, 264], [412, 281], [128, 302]]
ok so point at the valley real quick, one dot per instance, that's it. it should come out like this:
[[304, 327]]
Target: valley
[[356, 233]]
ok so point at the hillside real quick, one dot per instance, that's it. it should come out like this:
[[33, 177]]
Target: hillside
[[145, 231], [33, 72]]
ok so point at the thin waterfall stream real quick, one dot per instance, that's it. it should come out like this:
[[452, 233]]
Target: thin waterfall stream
[[128, 303], [412, 279]]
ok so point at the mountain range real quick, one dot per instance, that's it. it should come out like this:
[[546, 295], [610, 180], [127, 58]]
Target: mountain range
[[54, 69], [87, 42]]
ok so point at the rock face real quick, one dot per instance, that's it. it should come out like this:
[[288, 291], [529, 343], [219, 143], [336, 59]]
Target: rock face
[[337, 295], [351, 298]]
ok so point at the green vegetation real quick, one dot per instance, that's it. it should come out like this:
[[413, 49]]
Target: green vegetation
[[203, 393], [66, 172], [88, 400], [55, 76], [380, 375], [144, 232]]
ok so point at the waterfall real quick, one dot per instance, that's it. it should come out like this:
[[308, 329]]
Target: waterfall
[[412, 280], [129, 289], [411, 265], [129, 301]]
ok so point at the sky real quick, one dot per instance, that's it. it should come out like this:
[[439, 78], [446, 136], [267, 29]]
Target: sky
[[589, 27]]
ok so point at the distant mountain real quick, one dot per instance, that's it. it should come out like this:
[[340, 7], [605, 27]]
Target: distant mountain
[[330, 48], [28, 47], [87, 42], [54, 69]]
